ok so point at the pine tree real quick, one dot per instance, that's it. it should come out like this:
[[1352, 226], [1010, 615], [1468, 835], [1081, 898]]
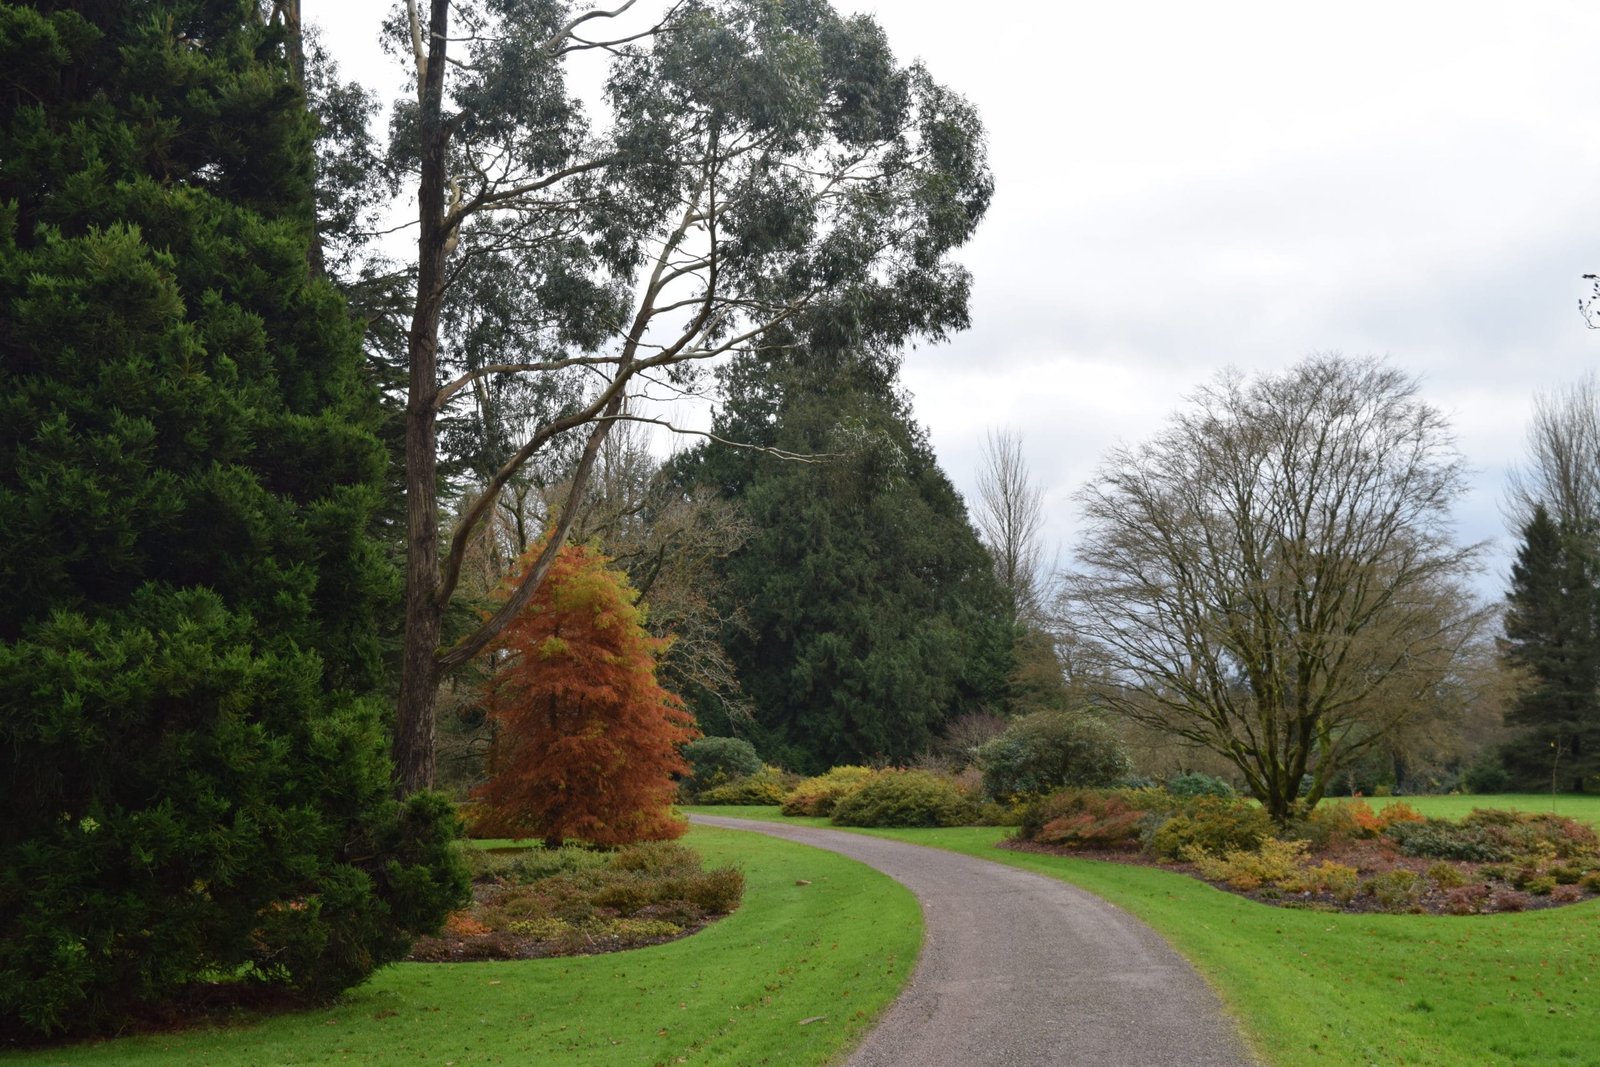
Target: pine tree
[[586, 740], [191, 722], [1551, 636], [874, 613]]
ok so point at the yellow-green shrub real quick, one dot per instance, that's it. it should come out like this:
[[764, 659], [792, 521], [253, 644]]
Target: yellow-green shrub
[[819, 795]]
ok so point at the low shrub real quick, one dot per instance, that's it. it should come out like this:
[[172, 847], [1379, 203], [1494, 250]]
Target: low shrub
[[1446, 875], [1212, 825], [1082, 818], [1396, 890], [1195, 784], [1274, 863], [654, 856], [715, 761], [1509, 900], [905, 798], [1445, 840], [1566, 874], [817, 796], [545, 929], [1591, 881], [1468, 900], [1339, 880], [1526, 832], [1493, 836], [656, 881], [767, 786], [1541, 886], [1566, 894]]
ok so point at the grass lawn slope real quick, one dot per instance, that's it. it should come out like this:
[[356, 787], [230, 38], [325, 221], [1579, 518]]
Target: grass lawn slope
[[791, 978]]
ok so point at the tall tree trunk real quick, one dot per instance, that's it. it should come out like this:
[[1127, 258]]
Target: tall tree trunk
[[419, 668]]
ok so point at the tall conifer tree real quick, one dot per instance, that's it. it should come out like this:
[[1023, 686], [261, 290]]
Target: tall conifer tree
[[1550, 628], [191, 730], [874, 615]]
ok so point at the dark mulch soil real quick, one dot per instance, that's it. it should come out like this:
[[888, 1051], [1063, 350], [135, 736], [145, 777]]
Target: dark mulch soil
[[1369, 858]]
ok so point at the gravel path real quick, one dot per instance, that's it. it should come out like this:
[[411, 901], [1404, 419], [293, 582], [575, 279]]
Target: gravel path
[[1021, 970]]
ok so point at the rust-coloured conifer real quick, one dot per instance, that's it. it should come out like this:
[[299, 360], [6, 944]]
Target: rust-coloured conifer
[[586, 739]]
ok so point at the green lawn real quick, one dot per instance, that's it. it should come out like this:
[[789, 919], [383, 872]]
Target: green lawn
[[1325, 989], [1577, 805], [791, 978]]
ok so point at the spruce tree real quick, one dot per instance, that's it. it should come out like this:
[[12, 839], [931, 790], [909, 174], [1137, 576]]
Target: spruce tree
[[191, 714], [873, 612], [1550, 635]]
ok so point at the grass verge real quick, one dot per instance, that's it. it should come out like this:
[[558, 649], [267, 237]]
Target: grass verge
[[793, 977], [1313, 988]]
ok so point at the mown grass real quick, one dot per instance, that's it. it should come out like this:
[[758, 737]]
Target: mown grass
[[1580, 806], [793, 977], [1314, 988]]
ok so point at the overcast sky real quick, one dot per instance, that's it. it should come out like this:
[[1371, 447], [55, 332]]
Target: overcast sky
[[1181, 187]]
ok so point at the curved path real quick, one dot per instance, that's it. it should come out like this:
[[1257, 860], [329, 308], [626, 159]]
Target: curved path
[[1020, 970]]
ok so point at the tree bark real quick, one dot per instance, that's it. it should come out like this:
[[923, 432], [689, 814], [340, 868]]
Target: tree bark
[[419, 668]]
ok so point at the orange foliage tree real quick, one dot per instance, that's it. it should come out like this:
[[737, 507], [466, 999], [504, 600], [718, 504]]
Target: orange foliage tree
[[586, 740]]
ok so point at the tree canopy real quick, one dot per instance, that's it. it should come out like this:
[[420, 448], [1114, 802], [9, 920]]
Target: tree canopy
[[191, 709], [761, 176], [1274, 576]]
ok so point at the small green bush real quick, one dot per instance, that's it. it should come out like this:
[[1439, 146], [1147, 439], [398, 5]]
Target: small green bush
[[1591, 881], [818, 796], [1446, 875], [1195, 784], [766, 786], [531, 864], [654, 856], [1212, 825], [1445, 840], [1051, 750], [1396, 890], [716, 761], [905, 798], [1540, 886]]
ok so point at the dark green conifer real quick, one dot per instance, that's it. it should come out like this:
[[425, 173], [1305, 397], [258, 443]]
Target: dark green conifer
[[874, 614], [191, 722], [1551, 636]]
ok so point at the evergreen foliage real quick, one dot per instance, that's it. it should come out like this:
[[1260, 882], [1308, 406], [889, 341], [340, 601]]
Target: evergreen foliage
[[1052, 750], [714, 761], [586, 740], [1550, 635], [190, 712], [874, 615]]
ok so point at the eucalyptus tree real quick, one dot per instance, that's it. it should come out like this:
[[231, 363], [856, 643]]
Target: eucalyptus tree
[[1273, 576], [759, 176]]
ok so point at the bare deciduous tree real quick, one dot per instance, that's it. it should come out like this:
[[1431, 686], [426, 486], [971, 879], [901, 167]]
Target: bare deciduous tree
[[1274, 576], [1562, 471], [1010, 515]]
